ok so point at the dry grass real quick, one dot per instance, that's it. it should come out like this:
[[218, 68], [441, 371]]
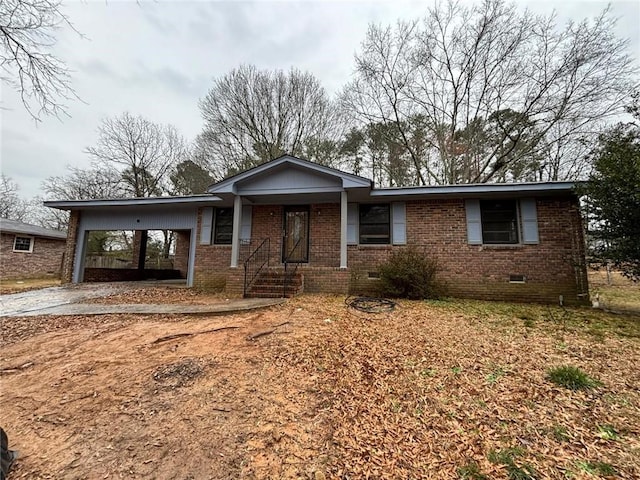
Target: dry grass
[[442, 389], [614, 291], [22, 285]]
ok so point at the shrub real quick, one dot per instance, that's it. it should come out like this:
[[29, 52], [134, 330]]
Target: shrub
[[572, 378], [408, 273]]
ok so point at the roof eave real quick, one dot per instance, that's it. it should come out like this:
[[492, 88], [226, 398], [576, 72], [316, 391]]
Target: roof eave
[[132, 202], [485, 189]]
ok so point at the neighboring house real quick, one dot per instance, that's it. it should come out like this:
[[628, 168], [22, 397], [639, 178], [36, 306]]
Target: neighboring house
[[517, 241], [29, 251]]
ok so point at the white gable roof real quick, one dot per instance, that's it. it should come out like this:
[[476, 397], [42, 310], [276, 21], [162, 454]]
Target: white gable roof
[[286, 175]]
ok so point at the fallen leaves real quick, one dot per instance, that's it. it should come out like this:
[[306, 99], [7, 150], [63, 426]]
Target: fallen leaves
[[419, 392]]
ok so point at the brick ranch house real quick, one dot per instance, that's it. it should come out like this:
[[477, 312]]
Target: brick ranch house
[[29, 251], [330, 230]]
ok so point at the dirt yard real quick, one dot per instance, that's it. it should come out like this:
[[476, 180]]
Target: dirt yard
[[313, 389]]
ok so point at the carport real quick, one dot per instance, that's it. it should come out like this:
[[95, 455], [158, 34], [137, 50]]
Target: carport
[[178, 214]]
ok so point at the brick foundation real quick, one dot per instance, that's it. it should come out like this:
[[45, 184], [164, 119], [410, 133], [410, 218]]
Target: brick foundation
[[129, 274]]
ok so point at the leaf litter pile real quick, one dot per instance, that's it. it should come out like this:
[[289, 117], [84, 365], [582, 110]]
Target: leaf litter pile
[[160, 295], [429, 390]]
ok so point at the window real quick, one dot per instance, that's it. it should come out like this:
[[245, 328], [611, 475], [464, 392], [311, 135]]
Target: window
[[374, 224], [23, 244], [499, 221], [223, 226]]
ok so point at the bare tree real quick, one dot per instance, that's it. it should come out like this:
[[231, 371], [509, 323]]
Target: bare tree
[[85, 184], [26, 63], [78, 184], [11, 205], [494, 89], [143, 152], [253, 116]]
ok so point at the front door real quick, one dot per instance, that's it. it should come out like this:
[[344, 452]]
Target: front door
[[295, 244]]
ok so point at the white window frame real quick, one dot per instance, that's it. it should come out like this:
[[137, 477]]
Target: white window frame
[[31, 242]]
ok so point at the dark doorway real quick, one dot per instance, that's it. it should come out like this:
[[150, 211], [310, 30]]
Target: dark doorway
[[295, 244]]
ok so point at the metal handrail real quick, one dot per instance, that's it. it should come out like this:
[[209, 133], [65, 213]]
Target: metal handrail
[[254, 264], [287, 258]]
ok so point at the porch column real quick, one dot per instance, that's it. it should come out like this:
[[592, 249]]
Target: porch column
[[343, 229], [235, 236]]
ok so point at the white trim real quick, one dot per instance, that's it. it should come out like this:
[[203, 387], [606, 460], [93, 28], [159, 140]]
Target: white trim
[[191, 264], [343, 229], [466, 190], [31, 242], [127, 202], [235, 236], [228, 185]]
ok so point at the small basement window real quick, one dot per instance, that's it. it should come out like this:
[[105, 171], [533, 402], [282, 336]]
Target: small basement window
[[517, 279], [23, 244]]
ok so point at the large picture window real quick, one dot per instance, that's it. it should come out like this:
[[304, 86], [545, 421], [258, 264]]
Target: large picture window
[[374, 224], [223, 226], [23, 244], [499, 221]]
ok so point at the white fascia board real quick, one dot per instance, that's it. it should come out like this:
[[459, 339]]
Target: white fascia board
[[132, 202], [477, 189]]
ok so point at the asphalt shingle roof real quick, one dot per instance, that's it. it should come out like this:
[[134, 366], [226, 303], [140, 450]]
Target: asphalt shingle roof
[[12, 226]]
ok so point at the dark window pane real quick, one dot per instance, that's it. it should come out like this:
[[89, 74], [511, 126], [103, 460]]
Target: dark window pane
[[223, 230], [499, 221], [374, 224], [22, 244]]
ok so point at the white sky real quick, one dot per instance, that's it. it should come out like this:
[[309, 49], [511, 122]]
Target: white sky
[[157, 59]]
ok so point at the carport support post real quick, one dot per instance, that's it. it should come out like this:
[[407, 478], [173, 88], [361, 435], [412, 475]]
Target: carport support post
[[235, 235], [142, 254], [343, 229]]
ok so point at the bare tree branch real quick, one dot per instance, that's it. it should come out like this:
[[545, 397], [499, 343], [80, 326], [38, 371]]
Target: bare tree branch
[[499, 94], [26, 62], [253, 116], [142, 152]]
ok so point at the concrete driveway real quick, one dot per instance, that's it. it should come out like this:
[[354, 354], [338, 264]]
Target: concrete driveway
[[28, 303], [67, 300]]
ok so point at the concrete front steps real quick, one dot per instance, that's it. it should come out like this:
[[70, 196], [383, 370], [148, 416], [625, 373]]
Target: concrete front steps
[[269, 284]]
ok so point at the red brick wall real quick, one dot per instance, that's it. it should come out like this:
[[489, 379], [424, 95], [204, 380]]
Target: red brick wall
[[325, 279], [181, 258], [324, 234], [552, 268], [70, 248], [45, 259], [211, 263]]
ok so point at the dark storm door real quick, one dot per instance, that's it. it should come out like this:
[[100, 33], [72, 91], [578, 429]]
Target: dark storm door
[[295, 244]]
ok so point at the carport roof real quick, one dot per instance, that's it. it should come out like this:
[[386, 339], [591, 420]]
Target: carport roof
[[132, 202]]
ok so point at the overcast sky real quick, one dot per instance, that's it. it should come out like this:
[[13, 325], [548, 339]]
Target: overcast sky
[[157, 59]]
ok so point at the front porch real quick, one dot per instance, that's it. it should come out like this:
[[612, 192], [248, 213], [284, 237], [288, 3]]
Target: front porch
[[286, 223], [291, 249]]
